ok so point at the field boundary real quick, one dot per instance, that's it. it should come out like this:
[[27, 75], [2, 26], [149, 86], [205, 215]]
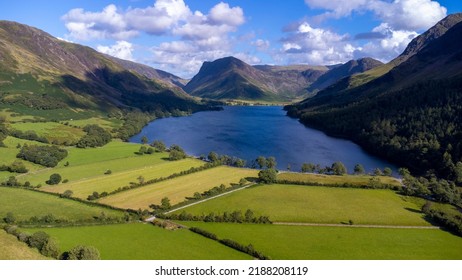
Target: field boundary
[[354, 226]]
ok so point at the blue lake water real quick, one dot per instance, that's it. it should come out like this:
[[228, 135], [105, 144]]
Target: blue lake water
[[250, 131]]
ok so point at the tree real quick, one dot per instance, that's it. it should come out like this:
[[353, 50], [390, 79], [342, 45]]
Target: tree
[[359, 169], [67, 194], [239, 162], [54, 179], [261, 161], [159, 146], [338, 168], [176, 153], [140, 179], [308, 167], [377, 172], [142, 150], [50, 248], [271, 162], [212, 157], [165, 203], [267, 176], [81, 252], [9, 218], [144, 140], [38, 240], [249, 216], [387, 171]]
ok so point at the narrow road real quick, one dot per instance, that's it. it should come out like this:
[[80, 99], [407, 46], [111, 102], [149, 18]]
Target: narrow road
[[354, 226]]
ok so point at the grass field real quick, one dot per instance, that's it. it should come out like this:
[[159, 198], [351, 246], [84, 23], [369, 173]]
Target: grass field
[[291, 203], [12, 249], [142, 242], [334, 243], [52, 131], [113, 150], [25, 204], [98, 168], [334, 179], [107, 183], [178, 189], [104, 123]]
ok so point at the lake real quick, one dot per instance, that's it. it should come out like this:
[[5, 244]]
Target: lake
[[250, 131]]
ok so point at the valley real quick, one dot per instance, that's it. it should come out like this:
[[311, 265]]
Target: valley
[[135, 163]]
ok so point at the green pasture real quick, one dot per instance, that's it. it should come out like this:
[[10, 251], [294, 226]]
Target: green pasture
[[179, 188], [142, 242], [52, 131], [108, 124], [309, 204], [12, 249], [335, 179], [107, 183], [90, 170], [25, 204], [340, 243]]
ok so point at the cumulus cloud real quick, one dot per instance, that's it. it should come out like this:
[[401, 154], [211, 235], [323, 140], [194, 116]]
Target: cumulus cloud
[[398, 14], [122, 49], [202, 36], [317, 46], [401, 21], [261, 45]]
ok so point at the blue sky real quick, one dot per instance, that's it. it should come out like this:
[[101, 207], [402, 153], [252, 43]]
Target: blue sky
[[179, 35]]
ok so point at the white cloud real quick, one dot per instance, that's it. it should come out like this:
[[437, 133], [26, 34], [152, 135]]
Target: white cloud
[[201, 36], [261, 45], [159, 18], [317, 46], [411, 15], [223, 14], [392, 45], [401, 20], [122, 49]]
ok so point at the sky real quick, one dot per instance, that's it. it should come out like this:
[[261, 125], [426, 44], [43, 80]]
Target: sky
[[179, 35]]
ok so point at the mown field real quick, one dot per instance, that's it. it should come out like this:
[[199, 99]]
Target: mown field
[[310, 204], [178, 189], [142, 242], [25, 204], [107, 183], [340, 243], [12, 249], [334, 179]]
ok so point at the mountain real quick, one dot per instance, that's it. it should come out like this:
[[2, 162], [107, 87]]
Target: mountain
[[412, 114], [149, 72], [343, 70], [231, 78], [40, 74]]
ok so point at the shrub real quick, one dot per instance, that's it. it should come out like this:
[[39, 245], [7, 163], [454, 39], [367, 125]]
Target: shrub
[[54, 179], [81, 252], [267, 176]]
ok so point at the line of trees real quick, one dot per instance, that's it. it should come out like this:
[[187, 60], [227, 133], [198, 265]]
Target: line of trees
[[49, 247], [225, 217]]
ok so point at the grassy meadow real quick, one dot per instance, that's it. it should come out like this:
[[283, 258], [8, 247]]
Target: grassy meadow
[[312, 204], [179, 188], [107, 183], [12, 249], [142, 242], [335, 179], [52, 131], [340, 243], [25, 204]]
